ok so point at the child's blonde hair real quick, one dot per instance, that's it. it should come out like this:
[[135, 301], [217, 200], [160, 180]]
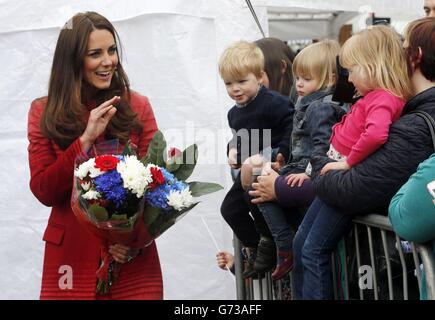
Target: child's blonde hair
[[318, 61], [241, 58], [378, 53]]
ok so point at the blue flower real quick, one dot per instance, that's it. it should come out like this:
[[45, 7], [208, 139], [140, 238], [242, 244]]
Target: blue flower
[[111, 185], [158, 197], [179, 185], [169, 177]]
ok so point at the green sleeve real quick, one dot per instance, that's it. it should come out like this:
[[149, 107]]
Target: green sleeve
[[412, 211]]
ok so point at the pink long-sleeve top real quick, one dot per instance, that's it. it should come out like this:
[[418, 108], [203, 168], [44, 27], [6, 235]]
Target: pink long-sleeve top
[[365, 128]]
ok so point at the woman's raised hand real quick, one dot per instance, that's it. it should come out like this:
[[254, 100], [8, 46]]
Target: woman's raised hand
[[97, 122]]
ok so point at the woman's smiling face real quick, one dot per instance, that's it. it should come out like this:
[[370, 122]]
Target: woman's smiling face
[[101, 59]]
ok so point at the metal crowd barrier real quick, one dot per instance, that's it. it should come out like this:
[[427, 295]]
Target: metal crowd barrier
[[261, 286], [371, 263]]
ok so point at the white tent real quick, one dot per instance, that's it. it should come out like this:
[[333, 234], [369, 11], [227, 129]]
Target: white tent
[[171, 49], [316, 19]]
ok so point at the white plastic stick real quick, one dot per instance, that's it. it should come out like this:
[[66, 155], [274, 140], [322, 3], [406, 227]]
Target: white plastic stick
[[212, 238], [211, 235]]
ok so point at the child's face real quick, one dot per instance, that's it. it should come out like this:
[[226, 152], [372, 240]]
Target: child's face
[[306, 85], [359, 79], [244, 89]]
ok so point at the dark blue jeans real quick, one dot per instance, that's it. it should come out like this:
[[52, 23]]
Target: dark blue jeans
[[284, 216], [282, 223], [235, 210], [317, 237]]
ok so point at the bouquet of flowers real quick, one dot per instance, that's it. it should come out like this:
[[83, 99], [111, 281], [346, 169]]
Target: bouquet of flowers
[[130, 201]]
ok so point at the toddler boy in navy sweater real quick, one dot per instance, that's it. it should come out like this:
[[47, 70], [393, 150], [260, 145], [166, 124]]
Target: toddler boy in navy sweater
[[261, 122]]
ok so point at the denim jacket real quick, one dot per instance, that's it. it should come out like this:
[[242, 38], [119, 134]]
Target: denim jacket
[[314, 117]]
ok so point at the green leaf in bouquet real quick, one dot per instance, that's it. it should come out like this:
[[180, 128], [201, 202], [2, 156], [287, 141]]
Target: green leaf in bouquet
[[82, 201], [99, 212], [198, 189], [128, 151], [155, 150], [165, 220], [181, 213], [119, 217], [150, 214], [172, 167], [190, 156]]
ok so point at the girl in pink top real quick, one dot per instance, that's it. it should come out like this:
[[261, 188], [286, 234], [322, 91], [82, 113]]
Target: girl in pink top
[[378, 69], [382, 81]]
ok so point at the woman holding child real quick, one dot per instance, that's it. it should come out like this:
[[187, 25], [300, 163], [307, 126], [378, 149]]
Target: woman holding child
[[368, 185]]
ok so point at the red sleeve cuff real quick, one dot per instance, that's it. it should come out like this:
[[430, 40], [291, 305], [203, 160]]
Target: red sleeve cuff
[[352, 160]]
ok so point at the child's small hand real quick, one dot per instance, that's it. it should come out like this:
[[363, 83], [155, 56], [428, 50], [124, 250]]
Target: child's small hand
[[296, 179], [225, 260], [279, 162], [342, 165]]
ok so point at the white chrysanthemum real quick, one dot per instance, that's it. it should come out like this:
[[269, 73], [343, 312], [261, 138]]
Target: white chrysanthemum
[[187, 197], [95, 172], [180, 199], [175, 200], [86, 168], [91, 195], [82, 170], [134, 174]]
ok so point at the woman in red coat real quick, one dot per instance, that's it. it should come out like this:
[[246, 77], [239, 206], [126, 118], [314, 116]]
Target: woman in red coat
[[88, 101]]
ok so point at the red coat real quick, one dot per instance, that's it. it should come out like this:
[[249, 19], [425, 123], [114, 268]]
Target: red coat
[[66, 242]]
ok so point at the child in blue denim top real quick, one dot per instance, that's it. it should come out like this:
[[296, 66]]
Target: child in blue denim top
[[377, 56], [315, 114]]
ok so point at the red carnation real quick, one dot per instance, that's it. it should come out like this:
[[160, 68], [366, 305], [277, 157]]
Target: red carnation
[[174, 152], [158, 177], [106, 163]]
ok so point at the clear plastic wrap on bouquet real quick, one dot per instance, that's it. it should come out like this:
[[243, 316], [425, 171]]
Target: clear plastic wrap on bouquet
[[127, 228], [131, 232], [124, 200]]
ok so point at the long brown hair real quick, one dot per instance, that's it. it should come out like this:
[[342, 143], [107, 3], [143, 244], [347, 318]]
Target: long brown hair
[[63, 118], [276, 52]]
